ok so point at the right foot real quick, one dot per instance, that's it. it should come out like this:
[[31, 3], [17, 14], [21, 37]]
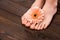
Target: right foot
[[50, 9], [27, 19]]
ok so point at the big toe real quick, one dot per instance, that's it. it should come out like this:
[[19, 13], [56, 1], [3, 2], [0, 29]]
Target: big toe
[[24, 21]]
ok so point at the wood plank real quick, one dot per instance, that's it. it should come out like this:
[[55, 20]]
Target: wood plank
[[24, 3], [12, 7], [12, 30], [12, 17]]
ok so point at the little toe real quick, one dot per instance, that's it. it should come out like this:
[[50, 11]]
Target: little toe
[[46, 25]]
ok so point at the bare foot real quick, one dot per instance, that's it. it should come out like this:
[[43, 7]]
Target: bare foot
[[49, 10], [33, 14]]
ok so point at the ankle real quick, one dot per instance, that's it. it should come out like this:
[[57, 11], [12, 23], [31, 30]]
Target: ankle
[[37, 3], [52, 2]]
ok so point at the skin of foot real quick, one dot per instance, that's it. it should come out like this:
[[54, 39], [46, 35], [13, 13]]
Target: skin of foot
[[31, 17], [49, 10], [34, 15]]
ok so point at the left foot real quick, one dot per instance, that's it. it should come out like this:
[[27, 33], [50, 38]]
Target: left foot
[[34, 14], [49, 10]]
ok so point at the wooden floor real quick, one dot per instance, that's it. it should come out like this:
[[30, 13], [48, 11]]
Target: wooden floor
[[12, 29]]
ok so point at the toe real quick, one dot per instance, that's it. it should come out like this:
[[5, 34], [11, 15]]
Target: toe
[[42, 26], [32, 26], [37, 25], [27, 24], [24, 21], [45, 26], [29, 21]]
